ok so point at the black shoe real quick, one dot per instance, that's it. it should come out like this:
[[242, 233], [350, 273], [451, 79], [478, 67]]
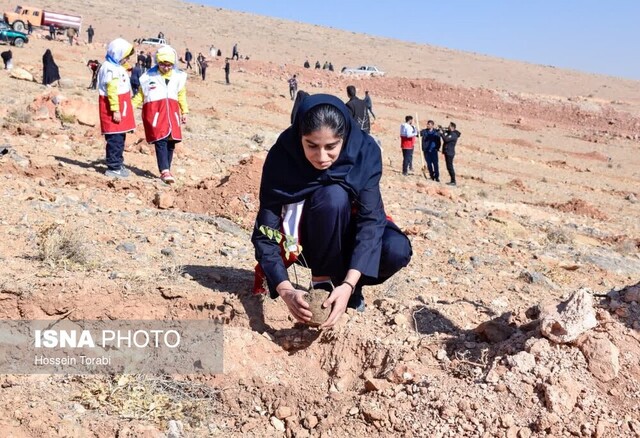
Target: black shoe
[[452, 183], [356, 301]]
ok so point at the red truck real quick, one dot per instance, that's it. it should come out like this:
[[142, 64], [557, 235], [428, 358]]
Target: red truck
[[19, 18]]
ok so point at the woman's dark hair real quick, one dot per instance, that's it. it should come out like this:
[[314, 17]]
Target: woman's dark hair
[[321, 116]]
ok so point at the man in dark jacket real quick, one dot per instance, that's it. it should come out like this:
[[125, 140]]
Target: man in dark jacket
[[148, 61], [430, 147], [188, 56], [135, 78], [367, 101], [450, 137], [90, 33], [358, 109]]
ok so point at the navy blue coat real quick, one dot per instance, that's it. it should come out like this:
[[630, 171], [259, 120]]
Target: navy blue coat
[[430, 140], [288, 177]]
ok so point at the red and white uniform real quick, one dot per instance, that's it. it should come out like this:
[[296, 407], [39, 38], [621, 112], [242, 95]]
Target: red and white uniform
[[407, 136], [161, 110], [109, 71]]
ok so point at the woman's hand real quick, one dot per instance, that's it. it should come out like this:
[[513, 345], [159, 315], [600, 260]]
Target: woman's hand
[[298, 307], [117, 117], [339, 299]]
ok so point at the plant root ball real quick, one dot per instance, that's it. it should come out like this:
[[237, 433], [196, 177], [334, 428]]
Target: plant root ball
[[315, 298]]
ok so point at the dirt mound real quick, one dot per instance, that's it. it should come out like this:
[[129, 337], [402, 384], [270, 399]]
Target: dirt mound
[[583, 208], [235, 197]]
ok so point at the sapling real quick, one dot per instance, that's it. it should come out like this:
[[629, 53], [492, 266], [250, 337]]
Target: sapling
[[315, 297]]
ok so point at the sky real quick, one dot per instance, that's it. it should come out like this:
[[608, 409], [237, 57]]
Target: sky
[[588, 35]]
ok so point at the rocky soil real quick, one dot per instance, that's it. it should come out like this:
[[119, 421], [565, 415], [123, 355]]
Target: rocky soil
[[519, 315]]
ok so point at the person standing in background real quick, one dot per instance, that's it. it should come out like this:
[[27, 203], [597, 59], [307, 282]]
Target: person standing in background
[[293, 87], [234, 53], [71, 34], [203, 63], [358, 110], [90, 33], [135, 78], [450, 138], [430, 147], [7, 59], [50, 70], [148, 61], [188, 57], [369, 104], [408, 134], [227, 70]]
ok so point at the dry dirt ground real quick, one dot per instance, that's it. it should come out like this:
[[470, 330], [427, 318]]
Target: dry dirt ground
[[547, 203]]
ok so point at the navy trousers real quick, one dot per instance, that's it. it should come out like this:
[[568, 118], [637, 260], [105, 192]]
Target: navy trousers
[[327, 233], [407, 160], [432, 164], [115, 150], [164, 153]]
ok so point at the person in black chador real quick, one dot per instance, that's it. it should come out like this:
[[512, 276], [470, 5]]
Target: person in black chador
[[318, 66], [450, 137], [324, 174], [50, 71], [358, 109], [306, 64], [7, 57]]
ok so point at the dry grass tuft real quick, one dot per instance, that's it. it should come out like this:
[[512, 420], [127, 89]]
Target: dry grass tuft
[[65, 246], [150, 398]]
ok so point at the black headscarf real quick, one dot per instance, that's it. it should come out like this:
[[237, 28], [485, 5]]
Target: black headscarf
[[50, 72], [288, 177]]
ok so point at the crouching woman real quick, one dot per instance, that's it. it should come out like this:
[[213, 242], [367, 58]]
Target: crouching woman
[[321, 184]]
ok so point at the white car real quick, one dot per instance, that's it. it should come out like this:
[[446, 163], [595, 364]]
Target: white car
[[369, 70], [154, 41]]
